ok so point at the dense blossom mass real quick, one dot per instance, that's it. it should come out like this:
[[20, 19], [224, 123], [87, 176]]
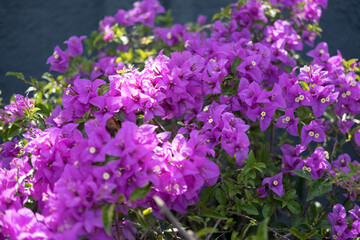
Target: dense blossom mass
[[105, 142]]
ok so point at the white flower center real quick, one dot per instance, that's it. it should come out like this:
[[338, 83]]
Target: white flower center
[[92, 150], [106, 176]]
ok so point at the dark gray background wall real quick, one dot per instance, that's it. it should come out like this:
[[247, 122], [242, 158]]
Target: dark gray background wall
[[29, 30]]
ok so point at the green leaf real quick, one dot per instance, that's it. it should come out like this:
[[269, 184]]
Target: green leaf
[[141, 219], [196, 219], [262, 232], [107, 214], [267, 210], [140, 193], [303, 174], [235, 64], [245, 230], [310, 234], [296, 233], [121, 198], [16, 74], [216, 16], [289, 195], [208, 194], [14, 131], [349, 62], [319, 188], [251, 158], [297, 220], [294, 207], [277, 224], [230, 184], [212, 214], [304, 85], [205, 231], [314, 209], [324, 223], [220, 197], [48, 76], [250, 209], [234, 235], [30, 89], [249, 194], [33, 80]]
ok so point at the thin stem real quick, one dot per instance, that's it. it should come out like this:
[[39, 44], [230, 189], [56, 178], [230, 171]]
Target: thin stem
[[215, 226], [272, 140], [160, 126], [187, 235], [355, 148], [22, 178], [306, 208], [275, 231], [334, 147]]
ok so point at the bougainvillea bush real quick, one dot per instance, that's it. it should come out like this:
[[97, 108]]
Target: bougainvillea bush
[[151, 130]]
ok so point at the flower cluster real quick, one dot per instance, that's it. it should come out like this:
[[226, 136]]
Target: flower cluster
[[143, 12], [17, 109], [340, 225], [59, 61], [220, 125], [107, 148]]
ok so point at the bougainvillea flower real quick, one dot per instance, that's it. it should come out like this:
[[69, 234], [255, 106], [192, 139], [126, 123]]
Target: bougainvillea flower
[[337, 219], [275, 184], [289, 122], [274, 97], [74, 46], [290, 156], [261, 192], [357, 137], [264, 115], [320, 53], [345, 125], [341, 163], [321, 97], [313, 132], [59, 61], [355, 213], [22, 224]]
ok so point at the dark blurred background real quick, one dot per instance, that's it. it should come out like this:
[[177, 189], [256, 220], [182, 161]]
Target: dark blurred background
[[29, 30]]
